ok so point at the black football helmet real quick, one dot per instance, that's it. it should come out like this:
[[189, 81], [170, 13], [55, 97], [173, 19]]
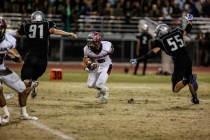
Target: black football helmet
[[38, 16], [3, 26], [94, 41]]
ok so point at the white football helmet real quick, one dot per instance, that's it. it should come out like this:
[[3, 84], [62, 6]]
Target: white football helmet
[[144, 28], [38, 16], [162, 29]]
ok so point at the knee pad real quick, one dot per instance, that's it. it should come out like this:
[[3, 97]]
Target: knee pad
[[21, 86], [90, 86]]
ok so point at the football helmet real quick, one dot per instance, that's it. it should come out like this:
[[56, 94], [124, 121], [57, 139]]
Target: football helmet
[[94, 41], [144, 28], [3, 26], [162, 29], [37, 16]]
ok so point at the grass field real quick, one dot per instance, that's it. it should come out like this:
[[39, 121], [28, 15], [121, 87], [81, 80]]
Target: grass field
[[67, 109]]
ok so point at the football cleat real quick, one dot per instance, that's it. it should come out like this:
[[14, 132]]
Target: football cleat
[[194, 82], [4, 120], [194, 100], [27, 117], [34, 84], [98, 95], [104, 98]]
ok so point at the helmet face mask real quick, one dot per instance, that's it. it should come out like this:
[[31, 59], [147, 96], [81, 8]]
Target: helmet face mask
[[162, 29], [94, 41], [38, 16], [3, 27]]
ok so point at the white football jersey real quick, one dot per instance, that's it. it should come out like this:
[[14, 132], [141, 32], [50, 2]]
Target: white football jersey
[[102, 58], [8, 43]]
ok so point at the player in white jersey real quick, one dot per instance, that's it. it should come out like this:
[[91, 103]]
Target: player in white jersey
[[98, 63], [10, 78]]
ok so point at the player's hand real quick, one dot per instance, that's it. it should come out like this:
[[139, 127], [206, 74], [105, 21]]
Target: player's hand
[[11, 54], [189, 17], [90, 66], [133, 61], [72, 35]]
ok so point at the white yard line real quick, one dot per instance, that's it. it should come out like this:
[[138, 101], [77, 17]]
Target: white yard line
[[46, 128], [53, 131]]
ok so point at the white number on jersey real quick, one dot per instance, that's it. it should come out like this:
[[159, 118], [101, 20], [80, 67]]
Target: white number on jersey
[[176, 42], [33, 29]]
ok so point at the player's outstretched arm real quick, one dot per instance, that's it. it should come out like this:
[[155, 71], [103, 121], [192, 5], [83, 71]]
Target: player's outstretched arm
[[188, 28], [148, 55], [61, 32]]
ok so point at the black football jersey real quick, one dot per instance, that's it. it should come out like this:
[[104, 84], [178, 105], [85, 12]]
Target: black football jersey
[[144, 39], [172, 43], [38, 35]]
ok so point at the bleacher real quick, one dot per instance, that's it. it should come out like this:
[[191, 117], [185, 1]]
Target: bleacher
[[109, 24], [119, 30]]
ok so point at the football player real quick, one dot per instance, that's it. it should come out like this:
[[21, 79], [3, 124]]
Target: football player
[[98, 63], [143, 45], [37, 32], [9, 77], [172, 42]]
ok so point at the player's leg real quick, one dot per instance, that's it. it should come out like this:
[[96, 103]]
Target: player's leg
[[136, 68], [6, 116], [91, 82], [193, 85], [14, 82], [26, 75], [101, 81], [177, 79], [40, 70], [144, 67]]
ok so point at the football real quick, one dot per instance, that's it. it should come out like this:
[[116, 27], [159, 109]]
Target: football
[[91, 65]]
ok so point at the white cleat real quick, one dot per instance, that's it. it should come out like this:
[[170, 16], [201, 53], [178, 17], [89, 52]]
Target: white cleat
[[98, 95], [27, 117], [9, 96], [34, 84], [104, 98], [4, 120], [33, 93]]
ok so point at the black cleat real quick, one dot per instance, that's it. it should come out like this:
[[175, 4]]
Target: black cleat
[[194, 100]]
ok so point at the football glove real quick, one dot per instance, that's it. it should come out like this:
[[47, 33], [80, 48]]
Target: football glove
[[189, 17], [133, 61]]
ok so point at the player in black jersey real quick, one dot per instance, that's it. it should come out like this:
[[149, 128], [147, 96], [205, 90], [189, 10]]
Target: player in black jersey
[[172, 42], [142, 47], [37, 32]]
